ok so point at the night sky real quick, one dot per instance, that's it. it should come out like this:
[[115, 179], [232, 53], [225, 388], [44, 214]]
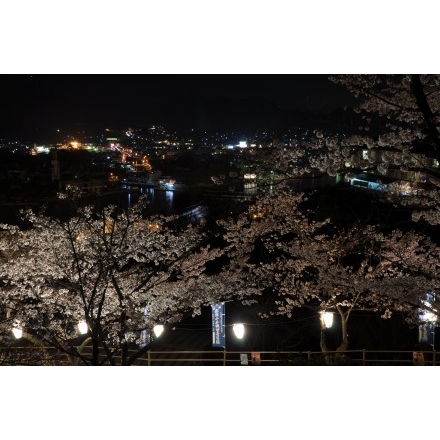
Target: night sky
[[39, 104]]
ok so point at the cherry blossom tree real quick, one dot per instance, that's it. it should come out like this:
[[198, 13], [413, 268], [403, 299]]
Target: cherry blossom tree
[[369, 266], [117, 271], [395, 134], [298, 261], [399, 135]]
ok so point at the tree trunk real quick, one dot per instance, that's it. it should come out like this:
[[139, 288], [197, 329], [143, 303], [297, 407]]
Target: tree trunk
[[343, 346], [425, 109], [95, 349], [323, 342]]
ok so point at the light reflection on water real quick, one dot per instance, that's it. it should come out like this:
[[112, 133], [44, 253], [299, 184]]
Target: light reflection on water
[[160, 201], [176, 202], [169, 197]]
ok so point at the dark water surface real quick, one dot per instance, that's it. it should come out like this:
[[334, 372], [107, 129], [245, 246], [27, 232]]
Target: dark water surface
[[219, 201]]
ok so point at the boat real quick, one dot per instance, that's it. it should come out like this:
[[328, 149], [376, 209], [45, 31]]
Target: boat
[[169, 185]]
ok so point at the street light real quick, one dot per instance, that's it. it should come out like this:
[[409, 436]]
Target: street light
[[82, 327], [18, 332], [238, 330], [158, 330], [326, 319]]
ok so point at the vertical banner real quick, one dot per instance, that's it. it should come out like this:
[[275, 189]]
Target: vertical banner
[[145, 337], [426, 333], [218, 325], [427, 320]]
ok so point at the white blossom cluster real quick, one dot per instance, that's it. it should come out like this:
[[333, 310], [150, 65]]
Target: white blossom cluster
[[301, 262], [398, 137], [106, 269]]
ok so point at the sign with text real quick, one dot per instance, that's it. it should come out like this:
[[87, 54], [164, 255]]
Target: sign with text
[[426, 333], [218, 325], [145, 337]]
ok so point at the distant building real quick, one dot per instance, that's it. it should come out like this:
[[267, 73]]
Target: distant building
[[409, 178]]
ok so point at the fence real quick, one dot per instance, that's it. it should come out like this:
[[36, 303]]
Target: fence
[[51, 356], [286, 358]]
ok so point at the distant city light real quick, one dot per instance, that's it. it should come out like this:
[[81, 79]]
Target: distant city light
[[42, 149], [250, 176], [242, 144]]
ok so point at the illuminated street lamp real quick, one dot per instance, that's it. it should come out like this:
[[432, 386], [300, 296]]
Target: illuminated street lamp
[[238, 330], [82, 327], [18, 332], [326, 319], [158, 330], [17, 328]]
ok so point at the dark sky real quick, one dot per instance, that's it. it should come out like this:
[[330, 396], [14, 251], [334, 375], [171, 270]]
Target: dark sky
[[42, 103]]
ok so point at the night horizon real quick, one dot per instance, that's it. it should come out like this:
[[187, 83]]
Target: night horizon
[[38, 105]]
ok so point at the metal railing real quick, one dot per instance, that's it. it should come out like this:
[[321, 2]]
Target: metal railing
[[31, 355]]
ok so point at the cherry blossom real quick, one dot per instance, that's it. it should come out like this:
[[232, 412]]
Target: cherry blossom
[[116, 270]]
